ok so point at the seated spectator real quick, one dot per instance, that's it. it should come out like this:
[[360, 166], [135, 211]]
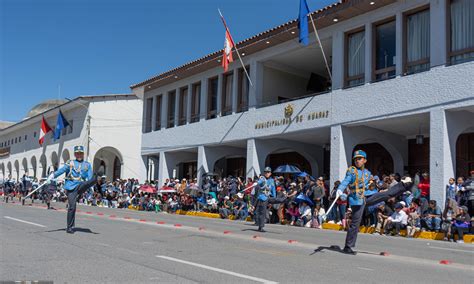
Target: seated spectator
[[293, 213], [398, 220], [431, 220], [319, 212], [461, 224], [173, 204], [226, 208], [201, 202], [424, 186], [305, 214], [240, 207], [211, 204], [383, 213], [414, 214]]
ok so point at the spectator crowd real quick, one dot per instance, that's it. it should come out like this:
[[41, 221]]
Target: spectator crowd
[[306, 203]]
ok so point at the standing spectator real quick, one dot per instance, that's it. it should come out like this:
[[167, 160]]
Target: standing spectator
[[460, 191], [450, 190], [432, 218], [424, 186], [449, 213], [469, 185], [318, 191]]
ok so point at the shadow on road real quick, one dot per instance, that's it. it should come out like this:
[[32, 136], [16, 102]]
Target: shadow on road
[[330, 248], [266, 231], [80, 230]]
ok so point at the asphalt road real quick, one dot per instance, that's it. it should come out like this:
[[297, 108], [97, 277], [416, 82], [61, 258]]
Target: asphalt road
[[123, 246]]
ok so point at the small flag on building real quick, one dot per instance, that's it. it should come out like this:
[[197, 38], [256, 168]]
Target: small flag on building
[[60, 124], [228, 46], [43, 131], [303, 22]]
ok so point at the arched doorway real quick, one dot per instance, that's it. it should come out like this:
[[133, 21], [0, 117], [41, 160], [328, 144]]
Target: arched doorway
[[379, 160], [109, 160], [66, 156], [33, 165], [43, 164], [276, 159], [24, 164], [54, 161], [230, 166], [17, 169], [464, 154]]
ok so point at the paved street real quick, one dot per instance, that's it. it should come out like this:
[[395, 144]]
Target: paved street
[[122, 246]]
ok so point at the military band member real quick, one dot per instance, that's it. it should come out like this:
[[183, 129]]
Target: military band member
[[79, 179], [357, 179]]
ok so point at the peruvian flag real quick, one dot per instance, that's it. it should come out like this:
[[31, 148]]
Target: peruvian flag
[[43, 131], [228, 46]]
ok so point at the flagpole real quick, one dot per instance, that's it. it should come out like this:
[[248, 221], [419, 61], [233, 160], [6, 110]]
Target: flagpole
[[319, 41], [236, 49]]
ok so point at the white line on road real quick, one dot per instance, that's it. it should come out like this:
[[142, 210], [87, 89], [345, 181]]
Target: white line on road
[[23, 221], [364, 268], [460, 250], [217, 269]]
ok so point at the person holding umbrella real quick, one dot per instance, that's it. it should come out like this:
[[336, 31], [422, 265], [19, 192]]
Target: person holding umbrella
[[357, 179]]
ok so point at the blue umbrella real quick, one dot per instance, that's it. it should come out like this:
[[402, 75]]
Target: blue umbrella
[[304, 174], [302, 197], [287, 169]]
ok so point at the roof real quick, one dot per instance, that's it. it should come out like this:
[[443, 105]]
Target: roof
[[344, 9], [5, 124], [67, 101]]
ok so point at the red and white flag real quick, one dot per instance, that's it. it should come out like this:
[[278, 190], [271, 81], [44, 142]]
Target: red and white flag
[[43, 131], [228, 46]]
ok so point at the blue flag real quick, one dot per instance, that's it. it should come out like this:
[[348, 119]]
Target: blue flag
[[60, 124], [303, 22]]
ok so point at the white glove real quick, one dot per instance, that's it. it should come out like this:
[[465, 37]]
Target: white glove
[[50, 177], [339, 192], [406, 180]]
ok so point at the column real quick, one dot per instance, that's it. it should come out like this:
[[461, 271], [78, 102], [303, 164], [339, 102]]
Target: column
[[202, 165], [256, 90], [399, 44], [338, 158], [176, 106], [164, 111], [235, 90], [441, 156], [153, 114], [253, 165], [203, 106], [368, 52], [438, 33], [163, 171], [337, 60], [188, 104], [220, 82]]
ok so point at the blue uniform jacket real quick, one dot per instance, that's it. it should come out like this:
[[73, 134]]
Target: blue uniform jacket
[[76, 172], [363, 176], [270, 184]]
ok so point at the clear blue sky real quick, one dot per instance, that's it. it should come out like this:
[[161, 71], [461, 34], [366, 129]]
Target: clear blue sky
[[92, 47]]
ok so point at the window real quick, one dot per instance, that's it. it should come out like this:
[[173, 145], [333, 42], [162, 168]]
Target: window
[[183, 105], [212, 98], [243, 90], [195, 102], [227, 94], [19, 139], [34, 134], [16, 140], [26, 136], [417, 42], [461, 31], [148, 106], [158, 105], [355, 59], [384, 62], [171, 108]]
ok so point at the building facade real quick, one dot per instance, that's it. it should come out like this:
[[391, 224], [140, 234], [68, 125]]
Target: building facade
[[107, 126], [400, 88]]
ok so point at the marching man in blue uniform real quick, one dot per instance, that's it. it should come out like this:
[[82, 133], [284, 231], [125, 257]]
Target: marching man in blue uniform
[[357, 180], [264, 194], [79, 179]]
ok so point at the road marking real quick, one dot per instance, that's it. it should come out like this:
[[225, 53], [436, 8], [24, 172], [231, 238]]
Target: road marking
[[460, 250], [364, 268], [23, 221], [217, 269]]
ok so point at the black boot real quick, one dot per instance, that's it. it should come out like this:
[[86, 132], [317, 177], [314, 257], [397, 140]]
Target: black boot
[[348, 250], [70, 231], [260, 229]]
